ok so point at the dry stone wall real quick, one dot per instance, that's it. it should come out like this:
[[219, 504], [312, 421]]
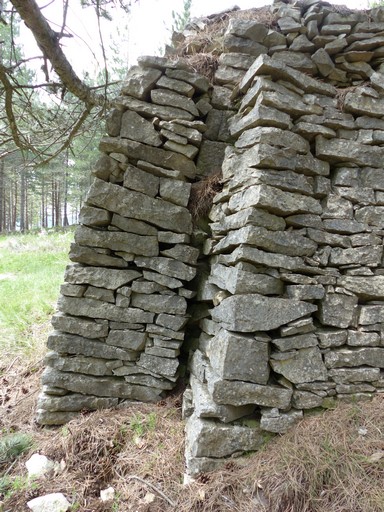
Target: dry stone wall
[[123, 307], [292, 307]]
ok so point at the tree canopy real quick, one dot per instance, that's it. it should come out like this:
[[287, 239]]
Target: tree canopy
[[68, 102]]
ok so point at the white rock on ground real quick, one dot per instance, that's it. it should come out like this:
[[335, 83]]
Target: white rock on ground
[[55, 502]]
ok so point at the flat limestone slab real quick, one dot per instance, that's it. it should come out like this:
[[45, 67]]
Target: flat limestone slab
[[253, 312], [136, 205]]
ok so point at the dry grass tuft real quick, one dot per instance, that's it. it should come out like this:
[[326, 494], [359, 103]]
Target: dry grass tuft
[[202, 194], [210, 39], [204, 63]]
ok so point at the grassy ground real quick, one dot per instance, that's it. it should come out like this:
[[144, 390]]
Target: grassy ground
[[31, 271], [331, 462]]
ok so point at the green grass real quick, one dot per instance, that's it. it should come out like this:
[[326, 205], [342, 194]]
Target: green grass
[[31, 271]]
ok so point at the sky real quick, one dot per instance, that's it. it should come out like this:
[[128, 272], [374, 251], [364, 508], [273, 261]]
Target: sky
[[144, 32]]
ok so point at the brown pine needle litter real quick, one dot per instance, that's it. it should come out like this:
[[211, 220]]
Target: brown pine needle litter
[[330, 462]]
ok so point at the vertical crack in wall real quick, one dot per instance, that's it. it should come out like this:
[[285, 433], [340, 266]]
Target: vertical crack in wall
[[290, 297]]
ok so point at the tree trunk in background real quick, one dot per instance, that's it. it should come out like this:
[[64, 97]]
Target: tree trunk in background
[[65, 200], [2, 198], [22, 199]]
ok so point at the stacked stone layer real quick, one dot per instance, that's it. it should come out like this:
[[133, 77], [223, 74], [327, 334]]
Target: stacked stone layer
[[295, 291], [292, 308], [123, 307]]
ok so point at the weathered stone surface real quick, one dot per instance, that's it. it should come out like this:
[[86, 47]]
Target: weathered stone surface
[[118, 241], [369, 287], [72, 290], [242, 393], [274, 137], [94, 216], [205, 407], [372, 215], [253, 312], [71, 344], [363, 339], [171, 321], [78, 364], [331, 337], [221, 98], [323, 61], [371, 314], [304, 365], [283, 103], [262, 156], [160, 365], [94, 292], [337, 310], [156, 156], [110, 387], [139, 206], [206, 438], [306, 400], [201, 83], [295, 342], [90, 256], [133, 225], [335, 206], [237, 44], [252, 216], [360, 255], [80, 326], [176, 192], [260, 115], [236, 60], [170, 304], [346, 375], [264, 65], [249, 29], [342, 150], [101, 277], [74, 402], [135, 127], [238, 357], [211, 155], [149, 381], [170, 98], [305, 292], [130, 340], [95, 309], [174, 336], [140, 81], [183, 253], [345, 226], [168, 267], [164, 112], [176, 85], [311, 130], [370, 356], [193, 135], [285, 242], [141, 181], [272, 420], [358, 103], [164, 280], [256, 256], [236, 280], [274, 200]]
